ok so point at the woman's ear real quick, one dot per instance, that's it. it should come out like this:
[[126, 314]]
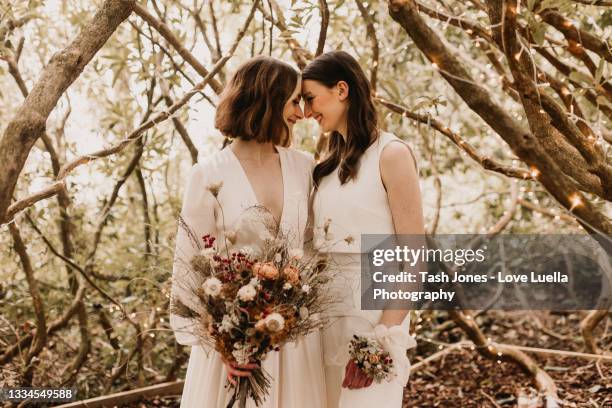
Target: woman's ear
[[343, 90]]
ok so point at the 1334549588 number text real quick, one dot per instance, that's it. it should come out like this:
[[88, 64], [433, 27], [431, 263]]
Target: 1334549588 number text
[[37, 394]]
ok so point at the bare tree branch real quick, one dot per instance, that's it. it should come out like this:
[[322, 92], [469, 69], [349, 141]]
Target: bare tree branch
[[165, 31], [107, 327], [503, 353], [324, 10], [145, 211], [66, 227], [508, 213], [75, 266], [300, 55], [371, 32], [545, 211], [12, 24], [587, 325], [430, 148], [176, 66], [469, 27], [14, 71], [567, 71], [213, 20], [485, 161], [24, 203], [138, 132], [63, 69], [178, 125], [577, 35], [40, 337], [522, 142], [56, 325], [603, 3]]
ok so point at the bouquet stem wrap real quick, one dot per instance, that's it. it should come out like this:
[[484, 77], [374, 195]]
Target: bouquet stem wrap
[[256, 386]]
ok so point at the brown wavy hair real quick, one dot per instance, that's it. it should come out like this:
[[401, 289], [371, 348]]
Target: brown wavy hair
[[252, 103], [362, 127]]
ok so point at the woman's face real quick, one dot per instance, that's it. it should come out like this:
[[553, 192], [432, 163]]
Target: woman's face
[[328, 106], [292, 111]]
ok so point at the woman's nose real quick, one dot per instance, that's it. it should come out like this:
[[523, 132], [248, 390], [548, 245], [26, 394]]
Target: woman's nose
[[307, 111], [298, 112]]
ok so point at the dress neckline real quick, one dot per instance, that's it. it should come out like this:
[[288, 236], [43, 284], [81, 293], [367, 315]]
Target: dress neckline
[[255, 200]]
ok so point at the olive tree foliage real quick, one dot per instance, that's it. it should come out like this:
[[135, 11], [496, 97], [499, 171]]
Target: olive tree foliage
[[104, 105]]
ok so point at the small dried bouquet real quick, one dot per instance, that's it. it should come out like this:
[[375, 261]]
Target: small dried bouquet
[[369, 355]]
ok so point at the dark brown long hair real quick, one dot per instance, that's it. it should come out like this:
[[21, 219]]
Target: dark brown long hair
[[252, 103], [362, 127]]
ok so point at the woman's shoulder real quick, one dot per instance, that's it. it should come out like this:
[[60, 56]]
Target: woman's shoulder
[[214, 161], [394, 152], [385, 138], [210, 167]]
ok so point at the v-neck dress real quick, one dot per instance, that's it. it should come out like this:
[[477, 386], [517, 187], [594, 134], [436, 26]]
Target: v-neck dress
[[297, 369]]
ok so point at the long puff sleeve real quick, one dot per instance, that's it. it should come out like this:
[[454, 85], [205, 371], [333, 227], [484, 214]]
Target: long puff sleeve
[[198, 213]]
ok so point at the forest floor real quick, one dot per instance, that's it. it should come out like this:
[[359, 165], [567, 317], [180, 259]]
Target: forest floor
[[462, 378]]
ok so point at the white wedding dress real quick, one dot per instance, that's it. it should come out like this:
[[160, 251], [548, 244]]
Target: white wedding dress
[[298, 378], [342, 213]]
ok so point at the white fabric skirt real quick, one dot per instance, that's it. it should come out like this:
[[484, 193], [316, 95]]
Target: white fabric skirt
[[298, 377], [347, 319]]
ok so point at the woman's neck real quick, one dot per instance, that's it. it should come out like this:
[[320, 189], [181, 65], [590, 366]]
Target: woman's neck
[[343, 128], [251, 150]]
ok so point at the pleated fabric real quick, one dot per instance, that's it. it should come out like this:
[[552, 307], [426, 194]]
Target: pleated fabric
[[298, 377]]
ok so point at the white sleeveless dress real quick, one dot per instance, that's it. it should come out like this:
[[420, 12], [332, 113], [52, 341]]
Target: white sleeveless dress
[[342, 212], [297, 369]]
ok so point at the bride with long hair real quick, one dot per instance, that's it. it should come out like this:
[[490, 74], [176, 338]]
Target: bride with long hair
[[365, 183]]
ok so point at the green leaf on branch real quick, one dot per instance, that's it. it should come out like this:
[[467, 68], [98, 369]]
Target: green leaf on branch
[[580, 77]]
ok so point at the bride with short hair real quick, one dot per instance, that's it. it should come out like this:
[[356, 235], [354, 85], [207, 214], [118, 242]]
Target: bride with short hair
[[225, 196]]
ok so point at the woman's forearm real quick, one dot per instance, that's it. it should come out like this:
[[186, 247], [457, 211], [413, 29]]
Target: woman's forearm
[[393, 317]]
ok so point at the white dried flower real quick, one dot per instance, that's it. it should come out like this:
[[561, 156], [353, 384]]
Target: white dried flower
[[304, 313], [231, 236], [247, 293], [287, 286], [207, 252], [306, 288], [226, 324], [254, 282], [261, 324], [212, 286], [278, 257], [275, 322], [242, 354], [247, 250], [296, 253]]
